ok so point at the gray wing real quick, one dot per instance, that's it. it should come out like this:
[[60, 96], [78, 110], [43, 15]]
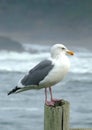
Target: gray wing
[[38, 73]]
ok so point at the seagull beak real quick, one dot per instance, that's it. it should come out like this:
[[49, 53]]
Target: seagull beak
[[70, 52]]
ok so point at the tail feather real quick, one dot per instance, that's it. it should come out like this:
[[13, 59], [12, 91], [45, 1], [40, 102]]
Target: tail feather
[[14, 90], [21, 89]]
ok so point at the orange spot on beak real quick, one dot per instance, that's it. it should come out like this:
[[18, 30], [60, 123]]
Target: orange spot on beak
[[70, 52]]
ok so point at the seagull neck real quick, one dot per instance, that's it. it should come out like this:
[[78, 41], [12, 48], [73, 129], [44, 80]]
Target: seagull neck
[[58, 56]]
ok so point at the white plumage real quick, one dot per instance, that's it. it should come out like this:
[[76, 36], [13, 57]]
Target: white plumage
[[47, 73]]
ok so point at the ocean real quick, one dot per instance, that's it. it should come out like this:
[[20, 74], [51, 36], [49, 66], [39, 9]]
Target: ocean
[[25, 111]]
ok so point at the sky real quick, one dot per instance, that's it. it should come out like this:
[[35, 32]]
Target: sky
[[40, 21]]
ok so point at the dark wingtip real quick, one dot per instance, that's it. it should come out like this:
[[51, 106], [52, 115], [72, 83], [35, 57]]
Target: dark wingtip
[[9, 93], [13, 90]]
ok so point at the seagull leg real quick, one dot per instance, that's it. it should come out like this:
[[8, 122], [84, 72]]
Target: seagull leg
[[52, 99], [51, 93], [48, 103], [45, 94]]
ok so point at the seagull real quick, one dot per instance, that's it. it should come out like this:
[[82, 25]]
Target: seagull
[[47, 73]]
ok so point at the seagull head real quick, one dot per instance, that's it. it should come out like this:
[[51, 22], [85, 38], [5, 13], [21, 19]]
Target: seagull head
[[60, 49]]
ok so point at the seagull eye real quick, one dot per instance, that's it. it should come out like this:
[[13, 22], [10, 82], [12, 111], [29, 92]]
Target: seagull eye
[[63, 48]]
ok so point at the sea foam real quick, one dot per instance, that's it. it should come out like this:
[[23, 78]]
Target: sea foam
[[81, 62]]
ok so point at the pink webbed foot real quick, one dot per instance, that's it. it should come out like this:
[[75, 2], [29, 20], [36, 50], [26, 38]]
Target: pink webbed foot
[[53, 101], [49, 103], [56, 100]]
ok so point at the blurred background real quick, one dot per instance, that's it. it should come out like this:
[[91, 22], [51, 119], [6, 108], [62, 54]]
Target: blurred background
[[28, 28]]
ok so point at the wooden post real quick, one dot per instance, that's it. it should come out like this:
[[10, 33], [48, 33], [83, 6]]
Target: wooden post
[[57, 117]]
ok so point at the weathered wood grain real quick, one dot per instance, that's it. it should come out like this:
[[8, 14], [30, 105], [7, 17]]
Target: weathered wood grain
[[57, 117]]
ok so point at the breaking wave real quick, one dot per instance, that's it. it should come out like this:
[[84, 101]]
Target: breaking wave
[[23, 61]]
